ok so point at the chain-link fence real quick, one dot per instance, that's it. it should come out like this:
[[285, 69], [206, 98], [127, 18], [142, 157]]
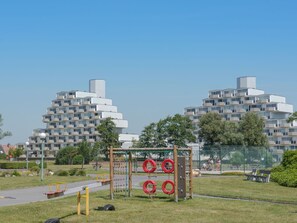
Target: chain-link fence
[[233, 158]]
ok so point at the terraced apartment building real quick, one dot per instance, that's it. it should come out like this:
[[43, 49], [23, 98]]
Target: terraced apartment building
[[73, 117], [232, 104]]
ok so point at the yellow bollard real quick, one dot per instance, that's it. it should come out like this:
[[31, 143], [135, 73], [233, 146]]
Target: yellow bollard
[[87, 197]]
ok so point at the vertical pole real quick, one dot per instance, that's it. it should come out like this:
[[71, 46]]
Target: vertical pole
[[175, 174], [190, 174], [130, 174], [78, 203], [27, 157], [87, 201], [111, 172], [42, 149]]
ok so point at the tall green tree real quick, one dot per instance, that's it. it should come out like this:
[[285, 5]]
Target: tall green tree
[[148, 137], [211, 128], [84, 149], [65, 155], [292, 117], [173, 130], [251, 126], [108, 134], [3, 133]]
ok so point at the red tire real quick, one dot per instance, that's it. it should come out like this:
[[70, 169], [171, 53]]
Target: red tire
[[165, 191], [146, 190], [164, 167], [152, 162]]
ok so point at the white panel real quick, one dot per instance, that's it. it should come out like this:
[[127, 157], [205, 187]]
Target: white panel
[[107, 108], [112, 115], [101, 101], [285, 107], [275, 98]]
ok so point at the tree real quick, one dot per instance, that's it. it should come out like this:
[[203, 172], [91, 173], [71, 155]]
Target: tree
[[211, 128], [148, 137], [65, 155], [84, 149], [3, 133], [251, 126], [15, 152], [230, 134], [108, 134], [292, 117], [237, 159], [173, 130]]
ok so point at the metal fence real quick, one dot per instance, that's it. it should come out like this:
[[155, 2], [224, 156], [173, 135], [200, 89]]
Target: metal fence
[[233, 158]]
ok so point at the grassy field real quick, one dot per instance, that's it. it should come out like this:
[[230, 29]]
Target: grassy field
[[7, 183], [140, 208]]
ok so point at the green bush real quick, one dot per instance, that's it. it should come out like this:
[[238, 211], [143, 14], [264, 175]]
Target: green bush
[[19, 165], [61, 173], [35, 169], [286, 173], [73, 171], [232, 174], [81, 173], [16, 173], [78, 159]]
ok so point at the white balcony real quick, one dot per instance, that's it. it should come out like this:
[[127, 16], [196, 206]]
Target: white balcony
[[91, 125], [50, 112], [75, 118], [80, 125], [51, 127], [65, 119], [270, 125], [86, 133], [202, 112], [70, 126], [60, 112], [214, 96], [86, 103], [60, 126], [75, 133], [234, 102], [70, 111], [286, 142], [189, 113], [70, 141], [227, 111], [255, 109], [285, 125], [292, 133], [270, 109], [234, 119], [46, 120], [228, 95], [271, 142], [71, 96], [208, 104], [249, 102], [221, 103], [66, 104], [241, 110], [55, 134], [278, 134], [60, 97], [91, 140]]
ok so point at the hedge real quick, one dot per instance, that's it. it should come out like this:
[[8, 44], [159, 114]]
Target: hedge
[[19, 165]]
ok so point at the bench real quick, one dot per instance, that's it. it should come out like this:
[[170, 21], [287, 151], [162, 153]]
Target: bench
[[263, 176], [252, 175]]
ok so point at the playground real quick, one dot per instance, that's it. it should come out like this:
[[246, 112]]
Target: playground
[[258, 203], [137, 197]]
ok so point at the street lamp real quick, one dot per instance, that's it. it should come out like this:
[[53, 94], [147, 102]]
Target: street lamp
[[42, 137], [27, 158]]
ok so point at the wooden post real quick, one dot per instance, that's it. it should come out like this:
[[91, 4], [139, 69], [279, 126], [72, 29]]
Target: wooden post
[[78, 203], [87, 201], [191, 173], [111, 189], [130, 174], [175, 173]]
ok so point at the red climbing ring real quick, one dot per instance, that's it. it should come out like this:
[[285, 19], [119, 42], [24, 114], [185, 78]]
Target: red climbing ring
[[152, 190], [165, 167], [164, 187], [152, 162]]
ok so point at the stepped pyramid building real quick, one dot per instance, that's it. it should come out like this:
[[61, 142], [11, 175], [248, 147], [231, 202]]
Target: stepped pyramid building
[[73, 117], [232, 104]]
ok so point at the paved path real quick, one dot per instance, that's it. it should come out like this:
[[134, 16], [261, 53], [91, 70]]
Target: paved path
[[34, 194]]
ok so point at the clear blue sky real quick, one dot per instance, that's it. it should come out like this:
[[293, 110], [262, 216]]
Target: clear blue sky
[[157, 57]]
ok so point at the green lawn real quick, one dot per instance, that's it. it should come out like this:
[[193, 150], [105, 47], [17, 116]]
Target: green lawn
[[141, 208]]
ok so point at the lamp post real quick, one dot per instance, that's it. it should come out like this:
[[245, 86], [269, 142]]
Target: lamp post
[[42, 137], [27, 155]]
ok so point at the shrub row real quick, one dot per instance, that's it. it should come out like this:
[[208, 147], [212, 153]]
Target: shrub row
[[72, 172], [19, 165], [286, 178]]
